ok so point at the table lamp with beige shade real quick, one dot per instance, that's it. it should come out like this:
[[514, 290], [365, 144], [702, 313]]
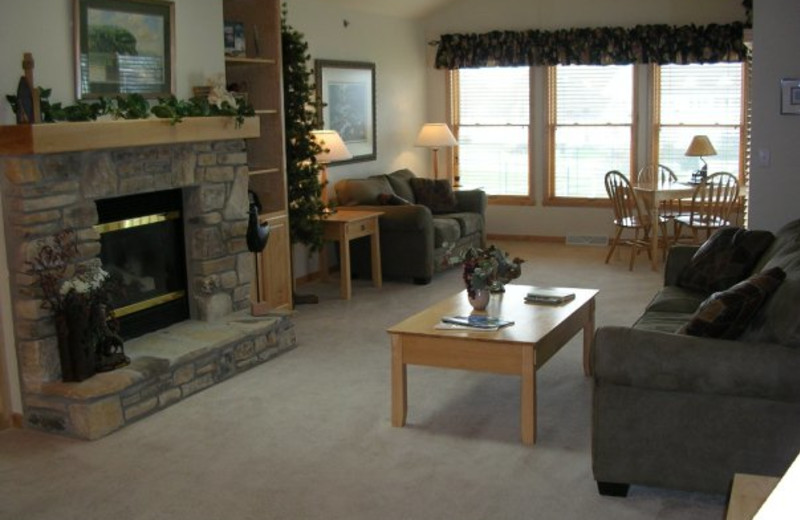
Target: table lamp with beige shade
[[333, 150], [435, 136], [699, 147]]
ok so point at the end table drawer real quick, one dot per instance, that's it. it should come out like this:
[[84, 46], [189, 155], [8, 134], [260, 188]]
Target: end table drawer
[[361, 228]]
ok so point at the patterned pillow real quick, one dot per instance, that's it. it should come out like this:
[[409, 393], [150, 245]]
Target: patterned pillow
[[726, 314], [724, 259], [437, 195]]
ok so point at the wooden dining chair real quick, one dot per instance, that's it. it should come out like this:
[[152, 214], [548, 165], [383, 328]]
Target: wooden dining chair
[[654, 175], [711, 206], [627, 216]]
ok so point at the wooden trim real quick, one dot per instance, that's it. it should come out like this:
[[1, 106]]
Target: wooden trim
[[96, 135], [510, 200], [528, 238], [574, 202]]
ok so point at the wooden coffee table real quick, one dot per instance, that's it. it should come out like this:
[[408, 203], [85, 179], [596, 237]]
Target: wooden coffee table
[[538, 333]]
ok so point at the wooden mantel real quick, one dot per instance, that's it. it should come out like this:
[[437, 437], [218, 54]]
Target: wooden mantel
[[95, 135]]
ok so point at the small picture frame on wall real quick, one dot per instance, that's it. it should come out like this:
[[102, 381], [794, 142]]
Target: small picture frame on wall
[[790, 96], [234, 39]]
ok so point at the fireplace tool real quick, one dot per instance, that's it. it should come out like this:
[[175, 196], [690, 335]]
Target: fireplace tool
[[257, 237]]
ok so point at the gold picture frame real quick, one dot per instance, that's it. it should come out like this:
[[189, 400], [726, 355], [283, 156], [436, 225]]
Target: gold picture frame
[[124, 47]]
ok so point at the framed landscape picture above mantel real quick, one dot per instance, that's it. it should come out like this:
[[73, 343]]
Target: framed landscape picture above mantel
[[346, 93], [124, 47]]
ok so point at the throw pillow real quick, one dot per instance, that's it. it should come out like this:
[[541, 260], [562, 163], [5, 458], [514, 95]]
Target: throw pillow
[[724, 259], [437, 195], [726, 314], [390, 199], [401, 183], [359, 192]]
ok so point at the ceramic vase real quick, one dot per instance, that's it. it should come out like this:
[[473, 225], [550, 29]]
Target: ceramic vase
[[481, 299]]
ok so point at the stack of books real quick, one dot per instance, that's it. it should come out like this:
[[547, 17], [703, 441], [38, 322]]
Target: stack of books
[[474, 322], [549, 295]]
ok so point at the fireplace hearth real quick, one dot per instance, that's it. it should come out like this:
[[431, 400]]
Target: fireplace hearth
[[198, 192]]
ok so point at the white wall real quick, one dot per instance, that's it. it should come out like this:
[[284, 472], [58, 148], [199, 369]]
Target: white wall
[[478, 16], [397, 47], [774, 187], [44, 28]]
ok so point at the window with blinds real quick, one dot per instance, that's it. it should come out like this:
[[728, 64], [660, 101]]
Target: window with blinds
[[492, 123], [700, 99], [591, 127]]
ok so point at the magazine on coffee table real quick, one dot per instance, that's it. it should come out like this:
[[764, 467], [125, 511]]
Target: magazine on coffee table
[[477, 321], [549, 295]]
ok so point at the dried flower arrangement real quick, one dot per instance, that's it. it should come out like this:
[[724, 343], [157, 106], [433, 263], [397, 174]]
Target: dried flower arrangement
[[80, 295]]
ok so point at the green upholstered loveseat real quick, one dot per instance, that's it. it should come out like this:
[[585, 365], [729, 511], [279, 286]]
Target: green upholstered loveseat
[[416, 240], [688, 412]]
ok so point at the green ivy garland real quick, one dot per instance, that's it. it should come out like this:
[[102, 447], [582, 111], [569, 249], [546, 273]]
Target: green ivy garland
[[135, 106]]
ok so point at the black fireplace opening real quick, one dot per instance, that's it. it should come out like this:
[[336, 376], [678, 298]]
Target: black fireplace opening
[[142, 247]]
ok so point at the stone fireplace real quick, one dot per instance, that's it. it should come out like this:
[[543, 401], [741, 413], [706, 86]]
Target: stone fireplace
[[46, 192]]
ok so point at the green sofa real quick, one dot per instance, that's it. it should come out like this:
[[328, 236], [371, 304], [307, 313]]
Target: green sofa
[[683, 411], [418, 237]]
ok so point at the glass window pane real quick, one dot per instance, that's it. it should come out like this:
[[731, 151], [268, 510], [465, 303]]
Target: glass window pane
[[589, 94], [494, 158], [493, 133], [583, 155], [701, 94], [494, 96], [697, 100]]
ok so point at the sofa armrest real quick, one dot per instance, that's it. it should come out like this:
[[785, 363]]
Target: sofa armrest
[[472, 201], [404, 218], [677, 258], [662, 361]]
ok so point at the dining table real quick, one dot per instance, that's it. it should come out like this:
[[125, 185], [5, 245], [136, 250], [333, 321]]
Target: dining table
[[652, 194]]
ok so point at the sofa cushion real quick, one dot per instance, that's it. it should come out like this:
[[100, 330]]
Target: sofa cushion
[[446, 231], [400, 181], [470, 222], [726, 314], [357, 192], [676, 299], [659, 321], [724, 259], [390, 199], [435, 194], [777, 321]]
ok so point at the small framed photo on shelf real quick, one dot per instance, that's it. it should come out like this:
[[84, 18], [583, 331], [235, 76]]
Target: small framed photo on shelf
[[234, 39], [790, 96]]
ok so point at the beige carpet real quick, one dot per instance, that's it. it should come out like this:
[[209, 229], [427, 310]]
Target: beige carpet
[[308, 435]]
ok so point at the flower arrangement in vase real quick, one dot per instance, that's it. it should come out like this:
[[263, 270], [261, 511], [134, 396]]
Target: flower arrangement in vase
[[79, 295], [485, 271]]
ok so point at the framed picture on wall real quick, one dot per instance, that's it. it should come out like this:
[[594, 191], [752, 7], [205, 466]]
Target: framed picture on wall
[[124, 47], [346, 98]]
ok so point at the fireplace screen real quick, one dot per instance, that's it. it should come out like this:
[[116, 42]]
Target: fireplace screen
[[142, 246]]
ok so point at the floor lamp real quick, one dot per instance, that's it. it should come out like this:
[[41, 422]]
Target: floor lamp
[[333, 149], [435, 136]]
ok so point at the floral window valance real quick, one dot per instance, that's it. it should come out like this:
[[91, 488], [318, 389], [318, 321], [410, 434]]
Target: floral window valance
[[594, 46]]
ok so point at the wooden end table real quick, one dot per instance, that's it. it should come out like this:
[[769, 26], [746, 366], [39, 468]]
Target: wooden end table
[[538, 333], [344, 226]]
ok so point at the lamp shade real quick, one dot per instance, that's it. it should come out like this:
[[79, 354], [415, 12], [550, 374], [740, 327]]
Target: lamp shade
[[700, 147], [435, 135], [333, 148]]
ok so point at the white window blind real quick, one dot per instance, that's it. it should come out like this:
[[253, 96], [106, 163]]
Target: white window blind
[[493, 129], [700, 99], [592, 127]]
